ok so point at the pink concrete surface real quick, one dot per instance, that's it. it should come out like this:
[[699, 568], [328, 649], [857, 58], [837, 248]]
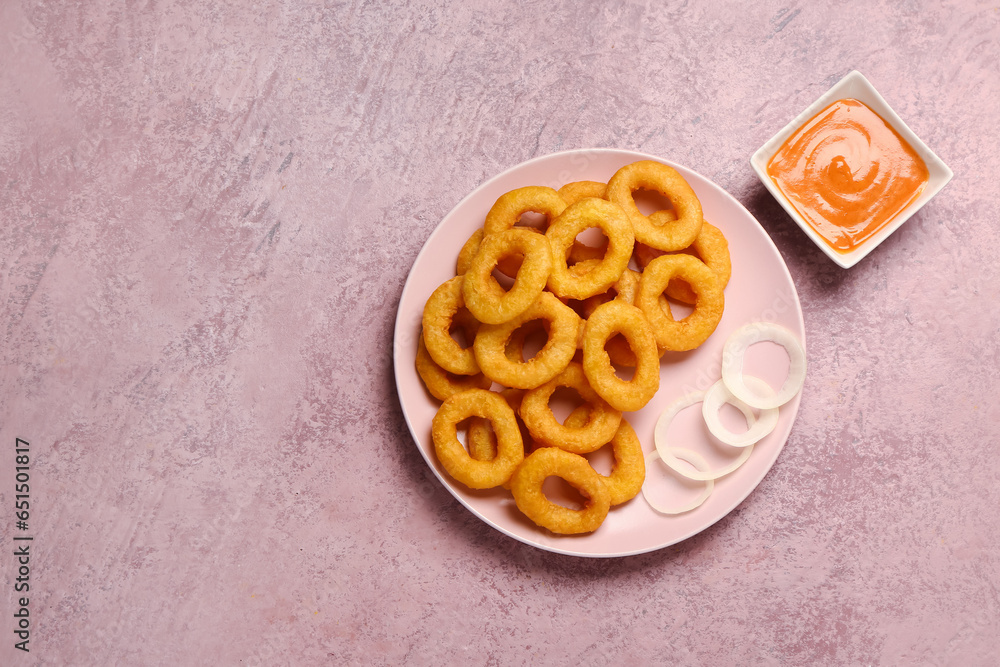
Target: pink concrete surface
[[208, 213]]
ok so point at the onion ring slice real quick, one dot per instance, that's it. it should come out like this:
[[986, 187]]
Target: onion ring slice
[[732, 363], [694, 459], [718, 395], [668, 453]]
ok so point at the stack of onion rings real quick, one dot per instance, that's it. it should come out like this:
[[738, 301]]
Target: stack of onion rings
[[590, 306]]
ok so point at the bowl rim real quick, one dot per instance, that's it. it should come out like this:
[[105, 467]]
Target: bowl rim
[[853, 85]]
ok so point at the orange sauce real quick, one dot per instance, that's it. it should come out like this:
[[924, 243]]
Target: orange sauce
[[848, 173]]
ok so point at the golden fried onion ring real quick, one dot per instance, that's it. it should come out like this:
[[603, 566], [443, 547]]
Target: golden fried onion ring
[[510, 206], [484, 297], [562, 232], [693, 330], [439, 382], [626, 290], [482, 441], [526, 486], [490, 345], [546, 429], [454, 457], [658, 230], [468, 252], [439, 315], [573, 192], [617, 317], [711, 247], [628, 471]]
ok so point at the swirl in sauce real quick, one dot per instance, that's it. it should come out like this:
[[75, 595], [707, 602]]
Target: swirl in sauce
[[848, 173]]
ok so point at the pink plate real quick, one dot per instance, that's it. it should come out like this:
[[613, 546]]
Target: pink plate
[[760, 289]]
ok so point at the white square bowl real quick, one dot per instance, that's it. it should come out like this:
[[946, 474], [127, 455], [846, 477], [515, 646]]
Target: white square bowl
[[855, 86]]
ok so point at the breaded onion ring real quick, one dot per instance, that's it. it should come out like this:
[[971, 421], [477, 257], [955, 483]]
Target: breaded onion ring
[[510, 206], [693, 330], [439, 382], [625, 290], [545, 428], [439, 316], [629, 471], [629, 468], [526, 486], [468, 251], [514, 350], [491, 344], [482, 441], [573, 192], [454, 457], [562, 232], [658, 230], [617, 317], [711, 247], [484, 297]]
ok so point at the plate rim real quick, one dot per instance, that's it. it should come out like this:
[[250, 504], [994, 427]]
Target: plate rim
[[398, 365]]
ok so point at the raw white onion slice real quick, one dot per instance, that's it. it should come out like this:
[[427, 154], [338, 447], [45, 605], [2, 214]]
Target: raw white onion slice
[[668, 453], [718, 395], [732, 363], [694, 459]]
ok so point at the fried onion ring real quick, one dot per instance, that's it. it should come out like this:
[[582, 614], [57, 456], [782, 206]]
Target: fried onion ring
[[439, 316], [456, 459], [629, 468], [484, 297], [625, 290], [490, 345], [482, 441], [468, 252], [693, 330], [617, 317], [573, 192], [562, 232], [526, 486], [545, 428], [510, 206], [439, 382], [658, 230], [711, 247]]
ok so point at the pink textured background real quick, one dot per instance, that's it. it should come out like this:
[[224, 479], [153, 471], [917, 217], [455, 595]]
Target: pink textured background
[[208, 213]]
